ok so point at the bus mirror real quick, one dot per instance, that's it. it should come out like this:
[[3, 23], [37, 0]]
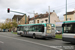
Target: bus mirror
[[63, 25], [17, 27]]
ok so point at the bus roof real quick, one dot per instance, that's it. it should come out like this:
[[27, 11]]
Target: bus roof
[[69, 21], [36, 24]]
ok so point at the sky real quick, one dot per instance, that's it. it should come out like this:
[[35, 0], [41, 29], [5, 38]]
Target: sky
[[38, 6]]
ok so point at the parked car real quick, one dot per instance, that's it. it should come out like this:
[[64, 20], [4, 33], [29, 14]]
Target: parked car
[[6, 30], [0, 30], [58, 32], [3, 30]]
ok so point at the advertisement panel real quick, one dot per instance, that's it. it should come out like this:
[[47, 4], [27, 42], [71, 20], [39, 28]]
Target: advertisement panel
[[48, 28]]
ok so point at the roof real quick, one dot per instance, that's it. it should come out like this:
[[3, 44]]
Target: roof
[[43, 15], [68, 13], [36, 24], [73, 21], [19, 17], [31, 18], [40, 16]]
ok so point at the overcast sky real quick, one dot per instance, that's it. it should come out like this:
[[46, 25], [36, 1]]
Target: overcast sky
[[39, 6]]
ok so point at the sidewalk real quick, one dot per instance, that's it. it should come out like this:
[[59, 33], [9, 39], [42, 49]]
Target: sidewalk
[[57, 39]]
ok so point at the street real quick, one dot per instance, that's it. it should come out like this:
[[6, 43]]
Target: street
[[10, 41]]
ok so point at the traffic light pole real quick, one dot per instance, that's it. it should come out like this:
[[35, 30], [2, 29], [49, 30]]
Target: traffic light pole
[[20, 13]]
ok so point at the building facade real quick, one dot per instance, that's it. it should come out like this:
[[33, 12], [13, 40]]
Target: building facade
[[70, 16], [20, 19], [31, 20], [44, 18]]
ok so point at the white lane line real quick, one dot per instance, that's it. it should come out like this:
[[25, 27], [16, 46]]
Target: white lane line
[[33, 42], [1, 42]]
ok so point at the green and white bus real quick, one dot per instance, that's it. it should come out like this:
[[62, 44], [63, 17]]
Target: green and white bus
[[41, 30], [68, 31]]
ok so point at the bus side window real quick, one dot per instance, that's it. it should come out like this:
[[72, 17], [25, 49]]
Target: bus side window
[[42, 29], [37, 28], [17, 28], [31, 28], [21, 28]]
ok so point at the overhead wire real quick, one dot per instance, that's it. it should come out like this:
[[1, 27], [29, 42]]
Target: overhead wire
[[63, 6]]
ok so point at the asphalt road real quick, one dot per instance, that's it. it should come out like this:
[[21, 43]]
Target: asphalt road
[[9, 41]]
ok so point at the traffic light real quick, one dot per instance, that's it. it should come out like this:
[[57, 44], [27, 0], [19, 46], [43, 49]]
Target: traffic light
[[8, 10]]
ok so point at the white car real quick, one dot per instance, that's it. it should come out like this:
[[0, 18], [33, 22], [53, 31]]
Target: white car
[[58, 32], [6, 30]]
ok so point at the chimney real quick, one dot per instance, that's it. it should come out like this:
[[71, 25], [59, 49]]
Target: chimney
[[53, 10], [41, 14], [28, 16], [46, 12], [35, 14]]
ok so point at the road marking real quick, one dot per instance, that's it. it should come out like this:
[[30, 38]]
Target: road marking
[[1, 42], [33, 42]]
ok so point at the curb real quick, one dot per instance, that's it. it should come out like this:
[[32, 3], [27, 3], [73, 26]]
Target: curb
[[57, 39]]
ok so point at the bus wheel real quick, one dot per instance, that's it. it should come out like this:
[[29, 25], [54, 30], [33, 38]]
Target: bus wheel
[[34, 36]]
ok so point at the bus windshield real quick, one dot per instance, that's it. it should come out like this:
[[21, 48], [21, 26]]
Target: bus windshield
[[69, 28]]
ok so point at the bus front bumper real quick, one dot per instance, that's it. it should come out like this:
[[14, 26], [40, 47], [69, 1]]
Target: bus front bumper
[[68, 39]]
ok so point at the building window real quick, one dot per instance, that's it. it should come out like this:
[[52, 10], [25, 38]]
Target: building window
[[41, 21], [68, 19], [37, 21], [19, 21]]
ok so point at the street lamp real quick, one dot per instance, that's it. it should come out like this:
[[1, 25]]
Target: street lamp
[[46, 20]]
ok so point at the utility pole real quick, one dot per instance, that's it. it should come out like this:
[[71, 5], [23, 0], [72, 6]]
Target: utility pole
[[49, 14], [17, 20], [25, 18], [66, 10], [34, 16]]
